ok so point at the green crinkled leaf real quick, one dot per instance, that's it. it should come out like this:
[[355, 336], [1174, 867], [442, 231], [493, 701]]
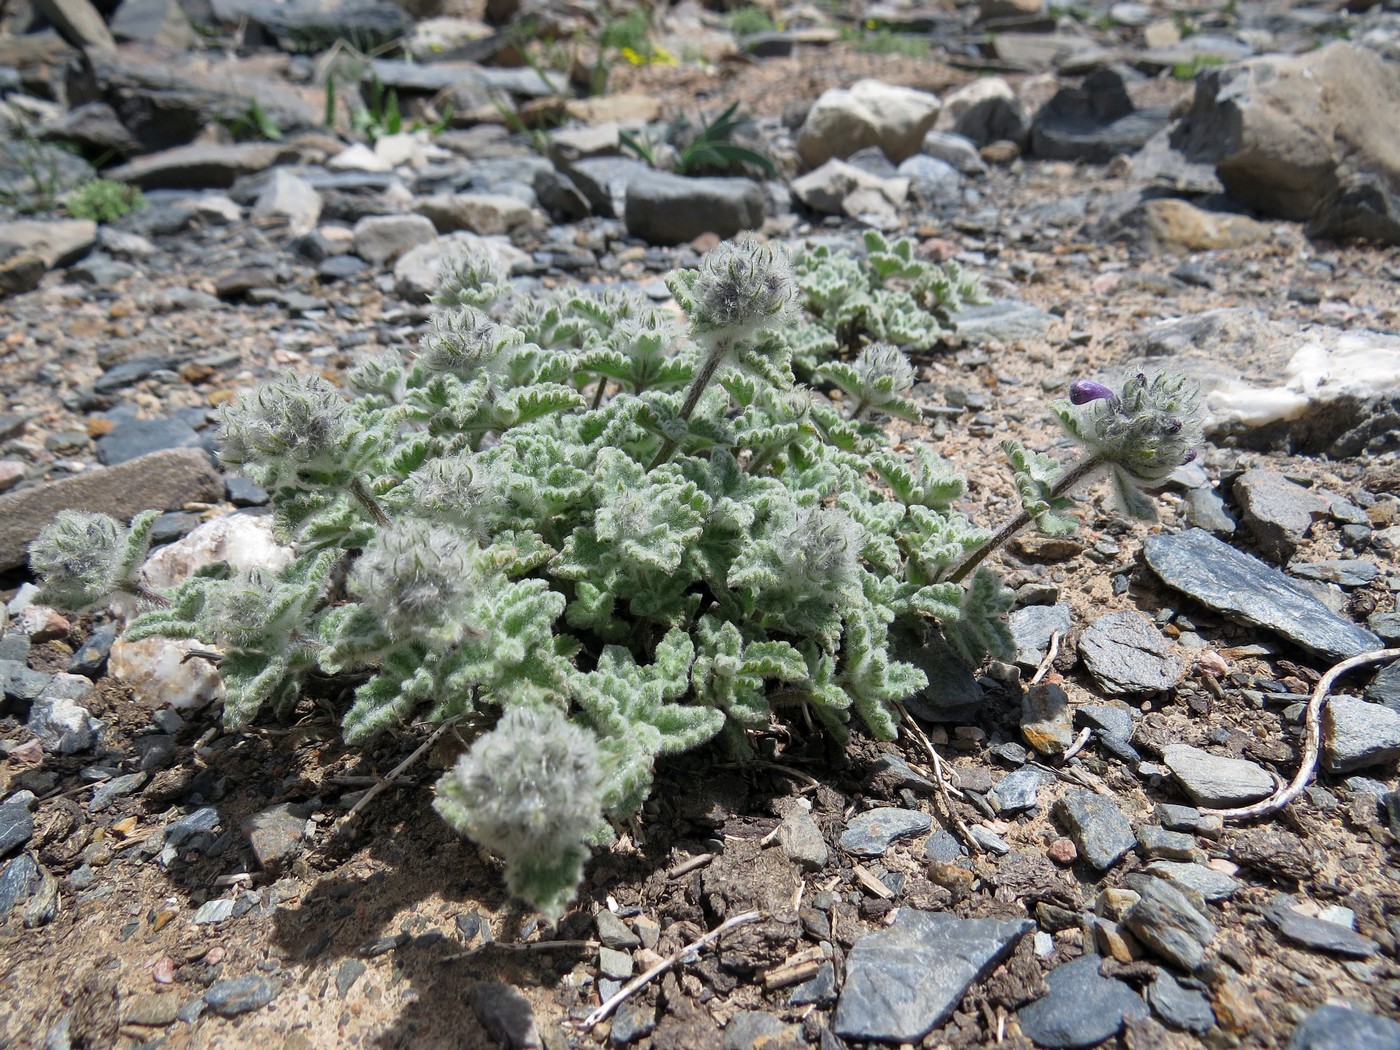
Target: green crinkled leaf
[[1035, 479], [250, 680], [981, 628]]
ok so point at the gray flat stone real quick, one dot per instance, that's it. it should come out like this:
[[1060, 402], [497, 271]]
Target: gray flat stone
[[662, 208], [1098, 827], [903, 981], [1278, 512], [1032, 626], [871, 833], [1346, 572], [19, 879], [1244, 588], [1321, 935], [1166, 920], [1184, 1009], [1082, 1009], [1018, 791], [506, 1014], [241, 995], [16, 827], [1214, 886], [1214, 781], [1356, 734], [1001, 321], [1342, 1028], [1128, 656]]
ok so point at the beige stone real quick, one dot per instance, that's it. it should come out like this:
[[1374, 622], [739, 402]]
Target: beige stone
[[166, 479]]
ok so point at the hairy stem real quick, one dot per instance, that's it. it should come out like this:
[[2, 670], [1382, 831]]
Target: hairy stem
[[366, 499], [143, 592], [1068, 480], [692, 398]]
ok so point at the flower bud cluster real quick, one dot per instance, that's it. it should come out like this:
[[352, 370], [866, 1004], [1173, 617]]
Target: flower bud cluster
[[743, 287], [419, 578], [465, 342], [1147, 430], [296, 422], [78, 557]]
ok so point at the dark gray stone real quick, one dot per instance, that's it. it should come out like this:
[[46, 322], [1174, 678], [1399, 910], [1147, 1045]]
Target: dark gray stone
[[1356, 734], [241, 995], [1244, 588], [820, 989], [1017, 791], [140, 437], [201, 821], [20, 879], [506, 1014], [1166, 920], [16, 827], [1212, 885], [871, 833], [1278, 512], [903, 981], [91, 657], [1206, 510], [952, 693], [1128, 656], [1094, 122], [893, 771], [22, 683], [614, 933], [308, 26], [118, 787], [1107, 720], [1321, 935], [1082, 1008], [127, 372], [942, 847], [1098, 827], [1032, 626], [1342, 1028], [275, 833], [1349, 572], [604, 181], [634, 1020], [1385, 687], [662, 208], [1185, 1009]]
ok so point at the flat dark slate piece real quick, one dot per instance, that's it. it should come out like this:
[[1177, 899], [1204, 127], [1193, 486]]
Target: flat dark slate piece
[[904, 981], [1244, 588], [1083, 1008]]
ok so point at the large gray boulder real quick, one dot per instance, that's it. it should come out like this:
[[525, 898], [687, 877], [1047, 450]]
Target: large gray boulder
[[1307, 136], [670, 209]]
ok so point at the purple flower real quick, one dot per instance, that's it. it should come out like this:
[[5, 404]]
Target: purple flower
[[1190, 457], [1082, 391], [1171, 426]]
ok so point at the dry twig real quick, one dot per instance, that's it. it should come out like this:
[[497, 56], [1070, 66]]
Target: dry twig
[[394, 774], [1312, 741], [632, 986], [940, 780], [1050, 655]]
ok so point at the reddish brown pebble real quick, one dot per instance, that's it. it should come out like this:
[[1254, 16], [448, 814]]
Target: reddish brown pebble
[[1062, 851], [163, 972]]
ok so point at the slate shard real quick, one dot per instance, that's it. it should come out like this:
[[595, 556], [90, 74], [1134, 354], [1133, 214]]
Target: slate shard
[[904, 981], [1244, 588]]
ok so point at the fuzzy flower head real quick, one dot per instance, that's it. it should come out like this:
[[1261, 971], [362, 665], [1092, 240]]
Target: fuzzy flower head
[[468, 281], [78, 558], [884, 367], [465, 342], [743, 287], [420, 578], [1146, 430], [530, 790], [818, 551], [238, 608], [295, 423]]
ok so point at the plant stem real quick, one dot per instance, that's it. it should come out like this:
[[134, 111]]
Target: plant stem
[[1068, 480], [692, 398], [143, 592], [366, 499], [598, 393]]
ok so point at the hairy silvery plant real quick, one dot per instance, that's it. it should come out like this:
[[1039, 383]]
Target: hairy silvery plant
[[86, 558], [597, 538], [1138, 436]]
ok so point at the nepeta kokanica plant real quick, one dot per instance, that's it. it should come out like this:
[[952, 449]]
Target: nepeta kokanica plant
[[611, 536], [1138, 437]]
